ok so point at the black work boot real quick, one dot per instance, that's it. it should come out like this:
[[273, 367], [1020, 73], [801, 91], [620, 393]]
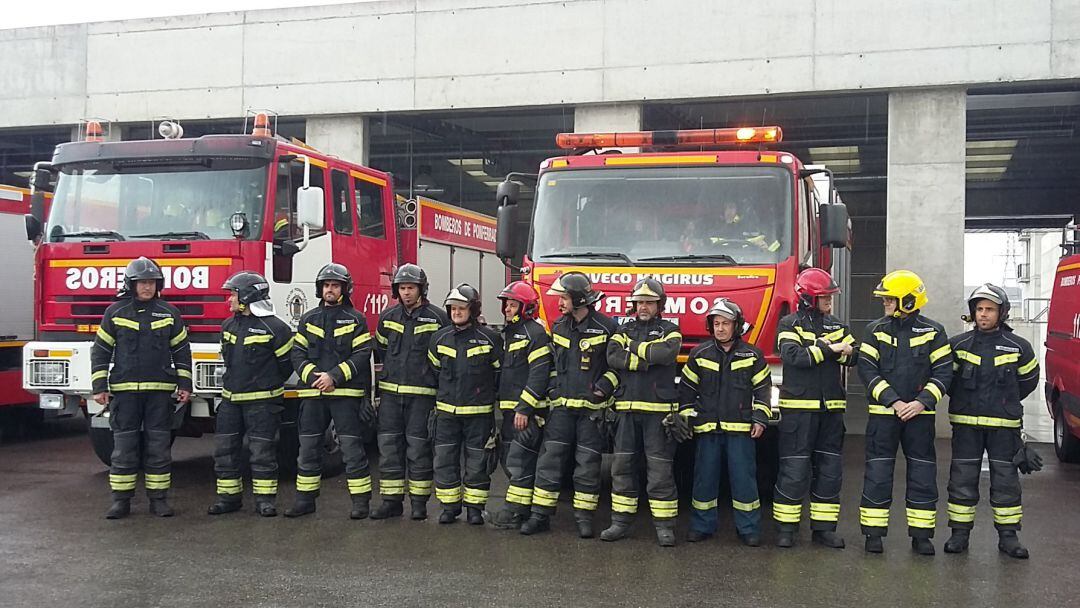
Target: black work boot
[[449, 515], [160, 507], [361, 506], [303, 505], [958, 541], [119, 509], [618, 530], [785, 539], [419, 509], [696, 536], [535, 524], [475, 516], [752, 539], [509, 518], [922, 546], [223, 505], [388, 509], [264, 506], [827, 538], [1009, 544], [665, 533], [874, 544], [584, 526]]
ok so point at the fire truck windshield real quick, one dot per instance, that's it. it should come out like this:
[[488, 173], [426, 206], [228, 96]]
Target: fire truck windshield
[[183, 201], [713, 215]]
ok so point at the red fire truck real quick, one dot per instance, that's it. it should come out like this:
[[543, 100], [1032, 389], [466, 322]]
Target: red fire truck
[[709, 213], [205, 208], [1063, 350]]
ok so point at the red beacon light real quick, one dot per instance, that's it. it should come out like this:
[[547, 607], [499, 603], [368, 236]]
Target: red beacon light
[[688, 137], [262, 126], [94, 131]]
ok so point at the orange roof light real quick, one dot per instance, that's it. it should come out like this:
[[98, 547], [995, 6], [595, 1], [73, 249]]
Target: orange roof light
[[93, 131], [690, 137], [262, 125]]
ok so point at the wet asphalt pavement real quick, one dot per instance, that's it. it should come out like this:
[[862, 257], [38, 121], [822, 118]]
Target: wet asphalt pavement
[[57, 550]]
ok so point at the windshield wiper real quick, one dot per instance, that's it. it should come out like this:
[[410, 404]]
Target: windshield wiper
[[101, 234], [194, 234], [615, 255], [692, 256]]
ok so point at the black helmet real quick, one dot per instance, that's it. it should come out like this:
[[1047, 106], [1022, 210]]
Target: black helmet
[[410, 273], [649, 290], [464, 294], [578, 287], [995, 294], [729, 310], [143, 269], [250, 287], [335, 272]]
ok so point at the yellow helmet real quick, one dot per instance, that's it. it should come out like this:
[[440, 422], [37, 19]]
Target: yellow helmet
[[906, 287]]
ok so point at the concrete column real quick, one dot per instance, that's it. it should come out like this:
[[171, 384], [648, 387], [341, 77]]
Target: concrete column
[[925, 201], [343, 136], [607, 118]]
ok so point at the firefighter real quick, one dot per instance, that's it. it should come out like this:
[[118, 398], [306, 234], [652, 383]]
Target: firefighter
[[523, 383], [332, 357], [256, 347], [465, 357], [994, 370], [814, 346], [146, 342], [644, 351], [724, 399], [407, 387], [579, 396], [736, 229], [905, 365]]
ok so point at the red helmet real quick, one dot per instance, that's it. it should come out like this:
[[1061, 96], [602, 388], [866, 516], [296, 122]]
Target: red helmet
[[524, 293], [814, 282]]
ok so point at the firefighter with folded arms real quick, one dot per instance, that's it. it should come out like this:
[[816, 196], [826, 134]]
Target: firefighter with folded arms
[[523, 384], [905, 363], [994, 370], [644, 352], [814, 347], [332, 357], [724, 398], [256, 346], [407, 387], [146, 342], [466, 357], [579, 395]]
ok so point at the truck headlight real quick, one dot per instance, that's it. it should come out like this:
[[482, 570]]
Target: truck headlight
[[48, 372]]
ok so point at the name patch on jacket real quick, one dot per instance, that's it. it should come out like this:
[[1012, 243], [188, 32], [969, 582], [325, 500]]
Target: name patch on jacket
[[593, 330], [921, 330], [743, 354], [160, 314], [1007, 349], [256, 330]]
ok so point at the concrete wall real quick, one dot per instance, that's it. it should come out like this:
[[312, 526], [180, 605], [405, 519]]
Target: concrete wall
[[401, 55]]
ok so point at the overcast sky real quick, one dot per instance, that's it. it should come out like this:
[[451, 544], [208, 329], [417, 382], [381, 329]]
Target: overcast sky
[[27, 14]]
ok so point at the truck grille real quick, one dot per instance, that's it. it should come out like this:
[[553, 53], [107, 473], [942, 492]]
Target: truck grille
[[49, 373]]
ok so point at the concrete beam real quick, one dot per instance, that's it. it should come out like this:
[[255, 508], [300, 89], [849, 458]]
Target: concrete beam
[[346, 137]]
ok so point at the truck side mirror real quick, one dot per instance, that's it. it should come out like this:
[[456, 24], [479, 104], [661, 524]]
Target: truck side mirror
[[833, 225], [505, 245], [33, 227], [507, 193], [310, 207]]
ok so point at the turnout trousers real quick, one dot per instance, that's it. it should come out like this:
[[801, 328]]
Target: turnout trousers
[[884, 433], [640, 435], [311, 423], [810, 449], [456, 434], [1000, 445], [146, 418], [520, 463], [569, 433], [404, 447], [738, 452], [259, 421]]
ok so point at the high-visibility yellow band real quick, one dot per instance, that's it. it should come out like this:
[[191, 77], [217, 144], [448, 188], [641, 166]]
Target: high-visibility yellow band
[[934, 390], [405, 389], [315, 330], [128, 323], [361, 338], [745, 506], [253, 395], [443, 349], [464, 410], [344, 330], [961, 513], [926, 338], [1006, 359], [105, 337], [1027, 367], [874, 517], [562, 341], [760, 376], [258, 339], [308, 483], [643, 406], [284, 349], [921, 518], [449, 495], [703, 505], [788, 335], [885, 338], [944, 351], [988, 421], [179, 338], [142, 386], [964, 355], [741, 363], [230, 486], [264, 486], [869, 351], [824, 511], [160, 323], [586, 502], [476, 496], [540, 352], [346, 370], [360, 486], [691, 375], [394, 325]]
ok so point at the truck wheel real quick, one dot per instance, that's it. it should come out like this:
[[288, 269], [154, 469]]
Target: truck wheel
[[101, 440], [1066, 445]]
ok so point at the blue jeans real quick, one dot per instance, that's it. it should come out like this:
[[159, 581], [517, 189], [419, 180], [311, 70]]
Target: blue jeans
[[740, 453]]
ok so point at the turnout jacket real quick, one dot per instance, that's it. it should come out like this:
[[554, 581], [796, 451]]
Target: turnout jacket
[[466, 361], [334, 340], [813, 378], [645, 355], [904, 360], [256, 351], [147, 345], [401, 344], [992, 372], [725, 390], [526, 367], [581, 364]]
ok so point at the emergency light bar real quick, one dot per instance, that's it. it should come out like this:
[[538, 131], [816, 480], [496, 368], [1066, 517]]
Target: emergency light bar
[[691, 137]]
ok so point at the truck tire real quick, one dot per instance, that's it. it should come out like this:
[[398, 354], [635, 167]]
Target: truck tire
[[1066, 445]]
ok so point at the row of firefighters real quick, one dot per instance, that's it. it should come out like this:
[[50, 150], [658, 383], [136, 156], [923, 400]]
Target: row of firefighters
[[444, 374]]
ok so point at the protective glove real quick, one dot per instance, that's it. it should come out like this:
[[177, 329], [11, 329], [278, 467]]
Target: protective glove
[[492, 449], [367, 411], [1027, 460], [530, 434], [431, 418], [677, 425]]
